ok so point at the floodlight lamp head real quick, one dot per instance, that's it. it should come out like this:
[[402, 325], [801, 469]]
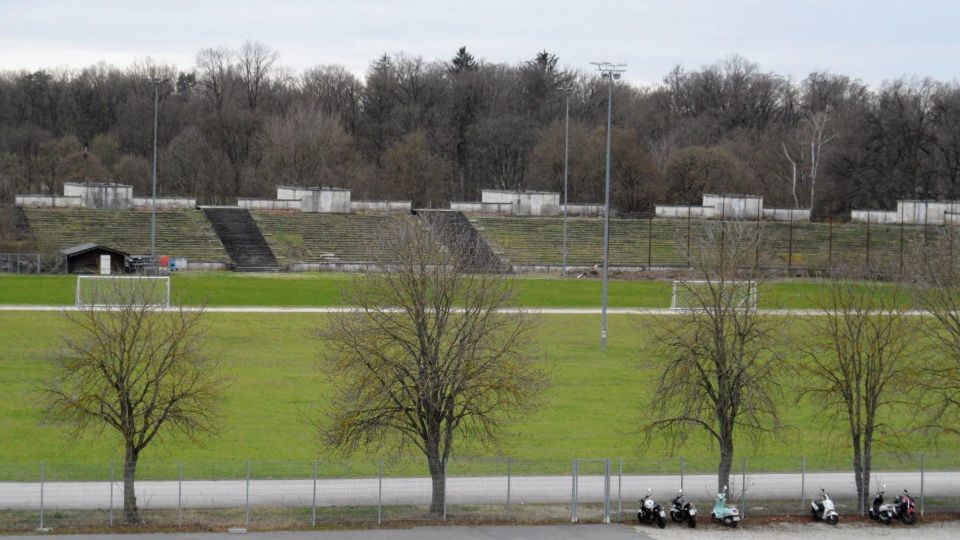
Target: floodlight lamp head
[[616, 76]]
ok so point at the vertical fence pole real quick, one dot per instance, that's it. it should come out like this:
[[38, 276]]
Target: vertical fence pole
[[111, 493], [509, 476], [863, 469], [247, 501], [573, 492], [803, 483], [380, 492], [688, 235], [921, 483], [313, 499], [743, 486], [650, 242], [42, 479], [18, 263], [179, 494], [830, 241], [868, 238], [445, 490], [901, 238], [606, 491], [682, 466], [790, 245], [620, 490]]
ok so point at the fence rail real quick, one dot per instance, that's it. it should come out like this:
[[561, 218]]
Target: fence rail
[[30, 263], [261, 495]]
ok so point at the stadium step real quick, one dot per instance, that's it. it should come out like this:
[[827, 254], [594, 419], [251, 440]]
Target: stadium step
[[482, 257], [242, 239]]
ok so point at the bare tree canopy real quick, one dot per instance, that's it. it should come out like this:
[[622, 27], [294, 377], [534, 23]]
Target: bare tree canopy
[[859, 361], [136, 369], [716, 362], [427, 360]]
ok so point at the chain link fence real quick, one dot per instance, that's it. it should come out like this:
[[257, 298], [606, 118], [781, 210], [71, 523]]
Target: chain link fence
[[263, 495], [31, 263]]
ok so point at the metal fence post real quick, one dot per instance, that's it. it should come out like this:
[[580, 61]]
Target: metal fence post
[[682, 464], [573, 492], [42, 479], [111, 492], [179, 494], [509, 475], [921, 482], [743, 486], [380, 492], [445, 472], [829, 242], [313, 499], [863, 472], [650, 242], [803, 483], [790, 245], [620, 490], [606, 491], [868, 238], [247, 499]]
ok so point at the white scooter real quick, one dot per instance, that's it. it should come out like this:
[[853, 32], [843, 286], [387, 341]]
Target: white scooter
[[823, 510]]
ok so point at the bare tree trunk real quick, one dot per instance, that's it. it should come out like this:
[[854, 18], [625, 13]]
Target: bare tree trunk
[[726, 462], [438, 475], [130, 512], [858, 473]]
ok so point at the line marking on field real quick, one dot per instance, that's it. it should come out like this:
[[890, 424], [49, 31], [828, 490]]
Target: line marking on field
[[543, 311]]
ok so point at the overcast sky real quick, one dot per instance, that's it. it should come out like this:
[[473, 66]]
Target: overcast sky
[[871, 40]]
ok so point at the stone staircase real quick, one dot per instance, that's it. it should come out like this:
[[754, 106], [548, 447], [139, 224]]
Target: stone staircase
[[242, 239], [458, 233]]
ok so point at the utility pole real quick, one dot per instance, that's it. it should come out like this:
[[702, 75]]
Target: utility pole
[[566, 161], [610, 72], [156, 81]]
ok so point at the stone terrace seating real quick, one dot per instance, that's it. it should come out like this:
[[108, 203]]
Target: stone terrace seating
[[180, 233], [295, 237]]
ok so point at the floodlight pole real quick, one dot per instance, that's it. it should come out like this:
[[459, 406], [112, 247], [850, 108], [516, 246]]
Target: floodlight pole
[[566, 161], [610, 72], [153, 206]]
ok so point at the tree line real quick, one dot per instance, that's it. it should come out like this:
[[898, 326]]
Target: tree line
[[238, 123]]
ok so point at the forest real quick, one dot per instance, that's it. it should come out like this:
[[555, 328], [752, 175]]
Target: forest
[[238, 123]]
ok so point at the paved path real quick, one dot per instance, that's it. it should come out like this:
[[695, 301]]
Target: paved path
[[544, 311], [461, 490]]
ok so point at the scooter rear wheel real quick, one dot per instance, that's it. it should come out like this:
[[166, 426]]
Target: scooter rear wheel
[[909, 519]]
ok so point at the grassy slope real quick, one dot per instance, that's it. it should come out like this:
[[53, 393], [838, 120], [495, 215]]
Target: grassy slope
[[591, 410], [228, 289]]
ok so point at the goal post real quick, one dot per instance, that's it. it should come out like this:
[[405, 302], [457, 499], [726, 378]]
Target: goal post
[[114, 291], [697, 294]]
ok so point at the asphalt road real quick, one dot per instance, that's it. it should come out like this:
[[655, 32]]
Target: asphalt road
[[461, 490]]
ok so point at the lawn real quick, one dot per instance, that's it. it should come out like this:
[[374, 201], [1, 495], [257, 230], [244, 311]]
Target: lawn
[[592, 409], [321, 289]]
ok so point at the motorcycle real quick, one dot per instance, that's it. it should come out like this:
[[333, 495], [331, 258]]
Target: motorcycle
[[683, 511], [903, 508], [651, 512], [824, 510], [728, 515]]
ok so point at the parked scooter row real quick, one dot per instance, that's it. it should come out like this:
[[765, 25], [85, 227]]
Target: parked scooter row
[[902, 508]]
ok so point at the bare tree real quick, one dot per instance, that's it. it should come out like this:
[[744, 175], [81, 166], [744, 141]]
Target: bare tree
[[216, 74], [858, 362], [427, 357], [137, 369], [254, 63], [716, 360], [816, 136]]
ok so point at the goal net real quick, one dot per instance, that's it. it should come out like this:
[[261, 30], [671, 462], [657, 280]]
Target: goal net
[[113, 291], [702, 294]]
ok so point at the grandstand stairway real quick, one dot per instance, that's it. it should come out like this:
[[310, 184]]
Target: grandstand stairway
[[242, 239], [482, 257]]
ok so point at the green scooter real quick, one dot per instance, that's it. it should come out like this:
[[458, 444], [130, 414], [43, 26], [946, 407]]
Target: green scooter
[[728, 515]]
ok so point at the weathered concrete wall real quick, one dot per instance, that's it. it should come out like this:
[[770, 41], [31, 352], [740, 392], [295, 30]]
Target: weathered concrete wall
[[381, 206], [165, 202], [525, 203], [734, 206], [100, 195], [683, 211], [319, 200], [269, 204], [48, 201], [583, 209], [875, 216], [926, 212], [786, 214], [499, 209]]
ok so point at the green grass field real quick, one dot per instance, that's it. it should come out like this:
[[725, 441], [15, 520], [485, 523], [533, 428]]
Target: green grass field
[[313, 289], [591, 410]]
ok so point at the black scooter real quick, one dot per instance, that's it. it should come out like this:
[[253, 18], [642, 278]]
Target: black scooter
[[683, 511]]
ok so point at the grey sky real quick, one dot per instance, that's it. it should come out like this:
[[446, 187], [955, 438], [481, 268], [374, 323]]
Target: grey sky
[[872, 40]]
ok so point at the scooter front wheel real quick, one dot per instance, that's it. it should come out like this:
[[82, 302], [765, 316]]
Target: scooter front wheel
[[832, 520], [692, 521], [909, 519], [662, 523]]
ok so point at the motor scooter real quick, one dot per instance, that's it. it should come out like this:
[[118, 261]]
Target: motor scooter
[[823, 509], [728, 515], [651, 512], [683, 511]]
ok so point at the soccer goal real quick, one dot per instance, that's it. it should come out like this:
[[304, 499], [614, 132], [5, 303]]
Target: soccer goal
[[698, 294], [114, 291]]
